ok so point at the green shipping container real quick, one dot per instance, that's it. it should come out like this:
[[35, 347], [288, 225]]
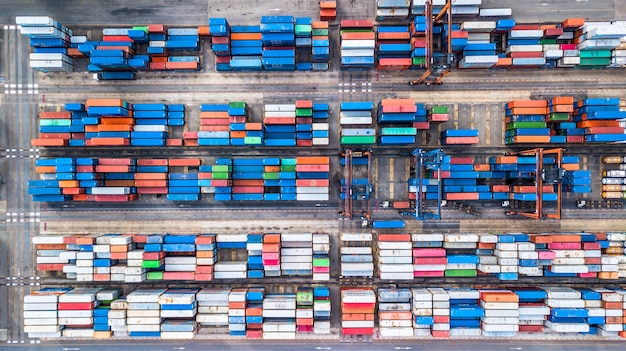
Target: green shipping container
[[399, 131], [304, 297], [548, 41], [237, 104], [253, 140], [55, 122], [320, 32], [286, 168], [288, 162], [152, 263], [460, 273], [304, 112], [321, 262], [143, 28], [303, 28], [220, 168], [155, 275], [559, 116], [522, 125], [439, 109], [220, 175], [419, 61], [270, 175], [355, 140], [595, 54], [601, 62]]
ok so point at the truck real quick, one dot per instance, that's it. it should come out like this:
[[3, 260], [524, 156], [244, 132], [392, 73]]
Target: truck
[[114, 76]]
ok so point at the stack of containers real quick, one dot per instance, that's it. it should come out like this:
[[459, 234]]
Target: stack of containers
[[394, 48], [596, 314], [459, 137], [421, 119], [618, 55], [578, 181], [254, 312], [441, 313], [217, 179], [54, 129], [237, 312], [280, 125], [183, 186], [220, 44], [179, 39], [610, 190], [304, 123], [461, 264], [356, 255], [214, 125], [596, 40], [612, 253], [180, 262], [357, 311], [102, 261], [255, 255], [567, 310], [53, 255], [465, 313], [153, 263], [321, 256], [320, 49], [422, 307], [84, 260], [49, 39], [569, 258], [41, 313], [501, 313], [113, 122], [552, 49], [392, 9], [231, 269], [394, 313], [357, 44], [357, 113], [328, 10], [278, 37], [287, 179], [612, 303], [397, 112], [149, 134], [532, 310], [151, 176], [438, 113], [312, 182], [241, 131], [459, 38], [213, 308], [246, 48], [206, 257], [524, 46], [528, 258], [76, 312], [508, 257], [598, 116], [479, 51], [304, 310], [395, 259], [143, 317], [429, 256], [487, 262], [279, 316], [271, 255], [304, 42], [248, 179], [526, 122], [178, 312], [417, 29], [321, 310], [571, 56], [111, 54], [296, 254], [117, 317], [157, 53]]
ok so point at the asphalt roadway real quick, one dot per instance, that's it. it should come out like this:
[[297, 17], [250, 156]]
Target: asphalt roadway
[[308, 345]]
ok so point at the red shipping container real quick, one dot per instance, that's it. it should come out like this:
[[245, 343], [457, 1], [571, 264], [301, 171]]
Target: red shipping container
[[112, 198], [358, 36], [124, 38], [357, 331], [312, 168], [55, 115], [357, 24], [423, 274], [174, 142], [304, 104], [526, 54], [186, 66], [156, 28], [152, 190], [179, 275], [321, 269], [438, 117], [189, 162], [312, 182], [101, 277], [50, 266], [421, 125], [247, 189], [82, 306], [48, 142], [66, 136], [430, 260], [157, 66], [461, 196]]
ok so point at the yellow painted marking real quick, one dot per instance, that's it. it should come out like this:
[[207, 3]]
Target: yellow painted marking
[[456, 118], [472, 116], [488, 125]]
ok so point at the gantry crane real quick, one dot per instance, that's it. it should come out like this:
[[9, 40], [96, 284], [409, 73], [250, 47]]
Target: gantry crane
[[427, 161], [437, 66], [356, 191], [544, 176]]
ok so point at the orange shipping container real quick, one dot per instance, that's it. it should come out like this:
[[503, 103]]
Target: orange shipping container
[[504, 62], [394, 35], [499, 296], [573, 23], [531, 139], [105, 102], [55, 115], [395, 315], [68, 183], [188, 162], [563, 100], [245, 36], [152, 162], [186, 65], [528, 103], [73, 191], [119, 183], [109, 142], [254, 126], [312, 160], [45, 169], [529, 110], [150, 183], [271, 238], [174, 142], [117, 120], [358, 36], [48, 142], [115, 128], [394, 237], [319, 25], [328, 4], [204, 30], [595, 123], [461, 196]]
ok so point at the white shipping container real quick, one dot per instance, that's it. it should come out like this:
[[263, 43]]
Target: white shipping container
[[312, 190], [357, 52], [357, 324], [427, 237], [39, 306], [312, 197], [49, 56], [39, 314], [230, 275], [76, 321], [499, 305], [461, 238], [524, 48], [41, 329], [157, 43], [231, 266], [478, 26], [568, 327], [500, 327], [143, 327], [355, 120], [526, 34], [281, 107], [320, 141], [320, 126], [358, 44], [502, 12], [110, 190], [212, 319], [47, 239], [40, 321], [280, 114], [267, 313], [35, 21], [565, 303], [395, 260], [490, 313], [406, 253]]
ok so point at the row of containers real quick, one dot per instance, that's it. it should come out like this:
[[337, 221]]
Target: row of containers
[[278, 43], [186, 179], [505, 256], [176, 313], [562, 120], [397, 10], [399, 121], [119, 53], [117, 122], [613, 177], [393, 312], [191, 257], [501, 178]]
